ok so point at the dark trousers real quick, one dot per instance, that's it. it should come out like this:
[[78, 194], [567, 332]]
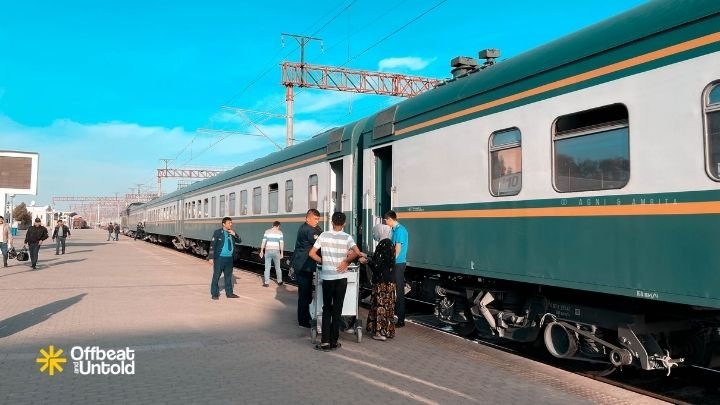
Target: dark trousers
[[4, 250], [110, 235], [399, 270], [333, 292], [222, 265], [34, 248], [59, 242], [117, 236], [305, 283]]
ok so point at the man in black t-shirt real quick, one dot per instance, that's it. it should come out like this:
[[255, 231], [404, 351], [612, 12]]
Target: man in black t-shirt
[[303, 265], [34, 238]]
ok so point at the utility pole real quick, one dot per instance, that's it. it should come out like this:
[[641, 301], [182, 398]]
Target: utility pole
[[289, 96], [159, 191]]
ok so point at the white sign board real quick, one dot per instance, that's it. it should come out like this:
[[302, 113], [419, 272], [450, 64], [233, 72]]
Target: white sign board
[[18, 172]]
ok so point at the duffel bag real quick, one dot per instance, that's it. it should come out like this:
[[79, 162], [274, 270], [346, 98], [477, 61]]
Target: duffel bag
[[23, 255], [12, 253]]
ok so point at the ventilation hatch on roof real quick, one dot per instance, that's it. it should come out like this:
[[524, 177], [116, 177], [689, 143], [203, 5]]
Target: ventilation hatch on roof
[[334, 144], [385, 122]]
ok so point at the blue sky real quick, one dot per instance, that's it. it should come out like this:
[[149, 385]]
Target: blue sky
[[103, 90]]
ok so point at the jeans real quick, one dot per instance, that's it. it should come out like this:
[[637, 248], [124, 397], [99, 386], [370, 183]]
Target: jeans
[[34, 248], [59, 242], [399, 270], [333, 297], [110, 235], [270, 257], [222, 265], [304, 282], [4, 250]]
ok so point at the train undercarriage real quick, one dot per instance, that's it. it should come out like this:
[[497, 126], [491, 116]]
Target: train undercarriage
[[599, 329]]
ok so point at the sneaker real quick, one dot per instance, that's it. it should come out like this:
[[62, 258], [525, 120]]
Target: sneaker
[[335, 346], [350, 331], [325, 347], [280, 283], [379, 337], [266, 285]]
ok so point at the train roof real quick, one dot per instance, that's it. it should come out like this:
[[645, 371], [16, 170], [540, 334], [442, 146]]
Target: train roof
[[312, 146], [636, 24]]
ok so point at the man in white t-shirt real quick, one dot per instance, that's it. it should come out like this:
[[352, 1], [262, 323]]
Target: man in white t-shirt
[[337, 253]]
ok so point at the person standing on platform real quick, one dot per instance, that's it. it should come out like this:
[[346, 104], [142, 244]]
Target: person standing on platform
[[34, 239], [59, 234], [138, 231], [222, 247], [271, 248], [117, 231], [400, 240], [5, 240], [15, 225], [110, 228], [337, 254], [303, 266]]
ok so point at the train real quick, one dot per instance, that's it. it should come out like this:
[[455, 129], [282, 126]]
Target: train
[[567, 196]]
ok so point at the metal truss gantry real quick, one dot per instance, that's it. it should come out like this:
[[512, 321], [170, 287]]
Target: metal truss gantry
[[350, 80]]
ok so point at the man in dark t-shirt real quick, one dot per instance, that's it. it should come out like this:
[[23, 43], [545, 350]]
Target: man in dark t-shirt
[[303, 265]]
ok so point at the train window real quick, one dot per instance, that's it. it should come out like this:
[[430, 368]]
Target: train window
[[198, 213], [712, 129], [257, 200], [313, 191], [243, 202], [231, 204], [221, 208], [213, 207], [289, 196], [592, 150], [505, 162], [193, 212], [206, 207], [273, 196]]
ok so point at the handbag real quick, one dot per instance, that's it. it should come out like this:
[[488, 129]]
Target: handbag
[[22, 255], [12, 253]]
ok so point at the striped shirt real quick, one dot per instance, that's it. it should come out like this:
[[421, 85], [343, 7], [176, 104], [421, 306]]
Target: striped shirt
[[273, 240], [334, 246]]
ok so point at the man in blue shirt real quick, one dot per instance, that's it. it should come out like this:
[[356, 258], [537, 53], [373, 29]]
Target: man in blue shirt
[[222, 247], [400, 240]]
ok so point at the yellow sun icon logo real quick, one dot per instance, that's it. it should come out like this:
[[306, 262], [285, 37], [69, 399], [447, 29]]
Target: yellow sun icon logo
[[51, 360]]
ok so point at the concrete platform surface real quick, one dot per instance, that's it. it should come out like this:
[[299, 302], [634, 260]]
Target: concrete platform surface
[[190, 349]]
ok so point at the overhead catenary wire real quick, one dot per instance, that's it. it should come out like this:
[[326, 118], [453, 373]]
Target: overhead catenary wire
[[349, 59]]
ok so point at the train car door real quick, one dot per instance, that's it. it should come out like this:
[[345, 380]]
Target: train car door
[[383, 181], [179, 217], [336, 186]]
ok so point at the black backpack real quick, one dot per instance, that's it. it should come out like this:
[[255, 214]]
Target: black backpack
[[383, 261]]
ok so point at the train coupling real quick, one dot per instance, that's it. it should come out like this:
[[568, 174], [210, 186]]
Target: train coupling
[[667, 362]]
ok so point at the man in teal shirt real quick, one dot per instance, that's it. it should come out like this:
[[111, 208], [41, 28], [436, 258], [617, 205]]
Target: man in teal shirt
[[222, 247], [400, 240]]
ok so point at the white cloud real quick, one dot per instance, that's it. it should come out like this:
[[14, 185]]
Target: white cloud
[[407, 62], [102, 159]]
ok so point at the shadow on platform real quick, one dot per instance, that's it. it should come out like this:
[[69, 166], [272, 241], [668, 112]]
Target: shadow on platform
[[27, 319]]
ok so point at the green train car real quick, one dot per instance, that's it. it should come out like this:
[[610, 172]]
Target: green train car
[[568, 195]]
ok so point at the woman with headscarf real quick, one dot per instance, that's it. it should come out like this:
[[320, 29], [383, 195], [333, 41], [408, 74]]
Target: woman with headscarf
[[380, 322]]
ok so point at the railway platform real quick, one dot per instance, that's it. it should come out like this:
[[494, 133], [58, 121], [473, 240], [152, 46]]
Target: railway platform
[[149, 308]]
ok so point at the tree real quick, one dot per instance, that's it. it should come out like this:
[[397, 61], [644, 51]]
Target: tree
[[21, 214]]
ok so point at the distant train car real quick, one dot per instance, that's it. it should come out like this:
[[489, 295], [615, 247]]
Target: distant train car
[[567, 195]]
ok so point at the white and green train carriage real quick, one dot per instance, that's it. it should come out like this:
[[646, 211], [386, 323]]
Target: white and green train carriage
[[568, 195]]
